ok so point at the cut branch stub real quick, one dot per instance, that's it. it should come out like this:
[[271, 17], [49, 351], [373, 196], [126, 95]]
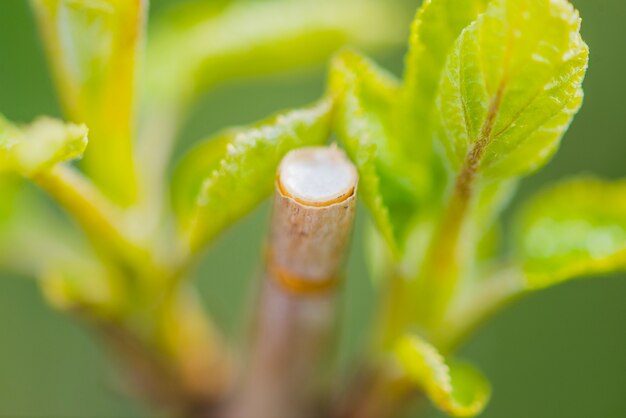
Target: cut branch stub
[[313, 214], [314, 208]]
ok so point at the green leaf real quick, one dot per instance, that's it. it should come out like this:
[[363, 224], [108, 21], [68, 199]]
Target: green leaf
[[39, 146], [93, 48], [193, 170], [364, 124], [456, 388], [248, 39], [576, 228], [37, 150], [436, 27], [511, 86], [223, 179]]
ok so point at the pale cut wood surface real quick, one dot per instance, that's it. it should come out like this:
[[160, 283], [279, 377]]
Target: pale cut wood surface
[[287, 375]]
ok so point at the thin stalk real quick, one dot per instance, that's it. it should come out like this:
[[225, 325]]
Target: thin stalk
[[437, 282], [376, 393], [101, 220], [175, 355], [155, 147], [445, 259], [288, 367], [114, 232], [103, 97]]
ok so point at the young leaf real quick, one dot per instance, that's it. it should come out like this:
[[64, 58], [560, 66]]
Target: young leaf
[[511, 86], [193, 170], [218, 44], [36, 151], [436, 27], [222, 180], [92, 45], [40, 145], [456, 388], [364, 123], [576, 228]]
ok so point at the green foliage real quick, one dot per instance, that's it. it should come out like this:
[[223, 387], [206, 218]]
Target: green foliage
[[511, 86], [456, 388], [93, 49], [433, 34], [576, 228], [39, 146], [364, 123], [225, 178], [489, 89], [221, 43]]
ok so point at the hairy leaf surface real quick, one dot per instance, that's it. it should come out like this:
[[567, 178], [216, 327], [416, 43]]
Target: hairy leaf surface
[[573, 229], [456, 388], [511, 86], [364, 123], [436, 27], [225, 178]]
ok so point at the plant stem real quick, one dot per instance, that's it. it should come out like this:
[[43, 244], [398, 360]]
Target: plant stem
[[156, 142], [376, 393], [101, 220], [169, 353], [314, 208], [167, 345], [445, 257]]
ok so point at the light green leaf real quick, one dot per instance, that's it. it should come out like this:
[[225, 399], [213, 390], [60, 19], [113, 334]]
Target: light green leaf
[[37, 150], [248, 39], [577, 228], [39, 146], [511, 86], [456, 388], [366, 97], [223, 179], [436, 27], [194, 169], [93, 48]]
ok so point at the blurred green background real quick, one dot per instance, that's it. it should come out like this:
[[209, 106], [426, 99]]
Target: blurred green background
[[558, 353]]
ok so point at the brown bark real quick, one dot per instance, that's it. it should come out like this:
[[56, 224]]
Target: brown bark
[[288, 369]]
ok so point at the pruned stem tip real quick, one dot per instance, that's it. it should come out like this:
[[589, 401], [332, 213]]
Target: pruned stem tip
[[314, 210]]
